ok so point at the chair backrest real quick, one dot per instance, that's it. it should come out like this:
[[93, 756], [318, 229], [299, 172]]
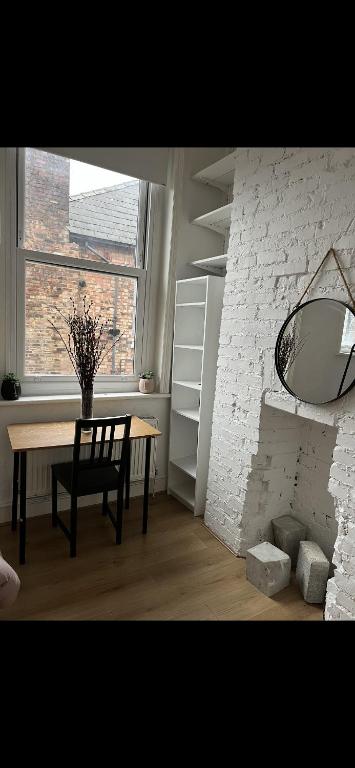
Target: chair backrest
[[99, 460]]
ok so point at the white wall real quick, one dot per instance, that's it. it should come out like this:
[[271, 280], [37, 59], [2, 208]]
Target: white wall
[[313, 504], [290, 206]]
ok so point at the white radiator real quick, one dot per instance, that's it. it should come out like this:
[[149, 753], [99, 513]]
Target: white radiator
[[39, 463]]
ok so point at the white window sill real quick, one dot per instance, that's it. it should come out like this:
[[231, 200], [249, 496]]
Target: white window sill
[[49, 399]]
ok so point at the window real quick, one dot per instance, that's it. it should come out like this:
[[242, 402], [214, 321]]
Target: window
[[81, 232], [348, 336]]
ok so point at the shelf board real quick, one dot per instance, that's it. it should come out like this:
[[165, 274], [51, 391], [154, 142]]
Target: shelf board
[[188, 464], [194, 280], [192, 304], [218, 220], [216, 265], [187, 346], [220, 174], [188, 384], [188, 413], [184, 494]]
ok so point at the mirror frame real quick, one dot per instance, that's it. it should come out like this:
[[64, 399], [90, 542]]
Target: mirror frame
[[277, 348]]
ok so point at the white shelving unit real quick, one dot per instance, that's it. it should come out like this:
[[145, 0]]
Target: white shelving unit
[[198, 306], [215, 265], [189, 413], [219, 174], [218, 220], [188, 465], [188, 346], [188, 384]]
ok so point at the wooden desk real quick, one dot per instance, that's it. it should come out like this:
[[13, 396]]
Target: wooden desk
[[60, 434]]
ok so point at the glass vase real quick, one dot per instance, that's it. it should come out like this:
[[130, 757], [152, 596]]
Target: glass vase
[[87, 405]]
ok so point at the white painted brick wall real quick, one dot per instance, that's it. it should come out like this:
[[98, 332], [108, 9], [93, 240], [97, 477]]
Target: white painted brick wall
[[290, 206], [313, 503]]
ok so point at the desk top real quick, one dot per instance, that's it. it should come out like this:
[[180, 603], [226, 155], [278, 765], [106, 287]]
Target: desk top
[[60, 434]]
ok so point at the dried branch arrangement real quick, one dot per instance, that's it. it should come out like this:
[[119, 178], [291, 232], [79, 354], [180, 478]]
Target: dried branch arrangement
[[87, 342], [289, 350]]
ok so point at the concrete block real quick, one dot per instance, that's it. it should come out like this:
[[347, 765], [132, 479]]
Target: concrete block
[[312, 572], [268, 568], [288, 532]]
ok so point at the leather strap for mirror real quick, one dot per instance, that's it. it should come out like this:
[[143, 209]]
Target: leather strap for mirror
[[331, 251]]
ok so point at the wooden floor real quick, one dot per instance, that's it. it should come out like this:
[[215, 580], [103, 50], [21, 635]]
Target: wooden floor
[[179, 571]]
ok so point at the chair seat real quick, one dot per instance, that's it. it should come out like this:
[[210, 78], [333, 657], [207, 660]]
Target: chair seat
[[90, 479]]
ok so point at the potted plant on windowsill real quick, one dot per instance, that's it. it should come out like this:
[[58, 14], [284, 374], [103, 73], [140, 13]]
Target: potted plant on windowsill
[[10, 387], [146, 382]]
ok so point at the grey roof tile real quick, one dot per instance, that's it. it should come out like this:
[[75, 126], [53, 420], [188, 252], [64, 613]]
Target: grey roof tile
[[106, 214]]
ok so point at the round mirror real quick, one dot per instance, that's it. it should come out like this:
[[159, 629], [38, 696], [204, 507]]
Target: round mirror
[[314, 354]]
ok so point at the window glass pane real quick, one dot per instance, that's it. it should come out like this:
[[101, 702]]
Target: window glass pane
[[79, 210], [47, 287]]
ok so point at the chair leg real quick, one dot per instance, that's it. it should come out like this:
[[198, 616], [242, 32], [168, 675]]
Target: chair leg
[[104, 502], [119, 509], [73, 525], [54, 500]]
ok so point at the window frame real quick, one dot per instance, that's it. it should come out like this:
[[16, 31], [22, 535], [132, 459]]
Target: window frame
[[68, 384]]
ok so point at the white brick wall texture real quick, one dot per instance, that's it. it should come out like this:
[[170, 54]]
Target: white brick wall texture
[[312, 503], [290, 206]]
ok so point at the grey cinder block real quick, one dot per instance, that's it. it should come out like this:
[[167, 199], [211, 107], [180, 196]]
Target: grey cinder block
[[312, 572], [288, 532], [268, 568]]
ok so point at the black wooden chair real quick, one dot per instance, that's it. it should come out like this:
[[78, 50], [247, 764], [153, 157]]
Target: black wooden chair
[[98, 474]]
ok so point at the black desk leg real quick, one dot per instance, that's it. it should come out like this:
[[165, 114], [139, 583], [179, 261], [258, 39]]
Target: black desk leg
[[15, 492], [23, 467], [146, 483], [128, 476]]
